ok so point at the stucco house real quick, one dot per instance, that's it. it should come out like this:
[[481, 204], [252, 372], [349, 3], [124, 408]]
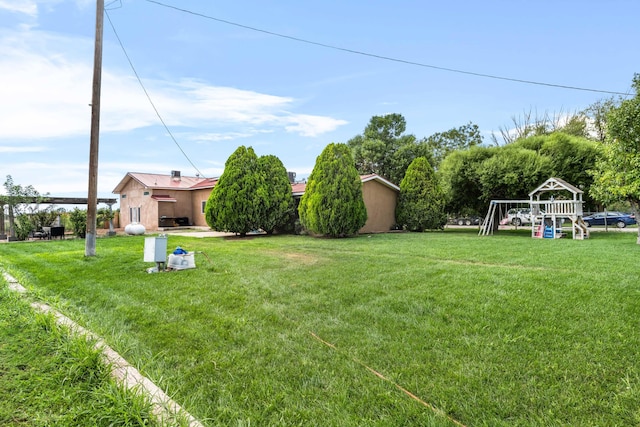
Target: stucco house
[[158, 201]]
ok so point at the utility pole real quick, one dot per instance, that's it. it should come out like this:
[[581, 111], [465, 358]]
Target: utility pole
[[92, 199]]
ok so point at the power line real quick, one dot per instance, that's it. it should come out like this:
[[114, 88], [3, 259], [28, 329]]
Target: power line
[[110, 6], [386, 58], [149, 97]]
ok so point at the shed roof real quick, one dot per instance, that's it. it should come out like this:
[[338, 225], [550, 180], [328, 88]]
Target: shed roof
[[298, 188], [376, 177]]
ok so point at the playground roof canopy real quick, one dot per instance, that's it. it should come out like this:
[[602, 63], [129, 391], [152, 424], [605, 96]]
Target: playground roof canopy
[[555, 184]]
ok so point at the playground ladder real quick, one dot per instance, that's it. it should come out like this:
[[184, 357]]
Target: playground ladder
[[487, 224]]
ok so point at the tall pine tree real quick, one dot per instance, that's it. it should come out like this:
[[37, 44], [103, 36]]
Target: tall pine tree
[[236, 202], [277, 212], [421, 201], [332, 204]]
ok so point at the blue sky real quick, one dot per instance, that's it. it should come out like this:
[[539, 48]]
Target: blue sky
[[218, 86]]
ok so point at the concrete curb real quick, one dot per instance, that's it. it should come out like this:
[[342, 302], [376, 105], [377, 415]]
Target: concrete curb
[[164, 408]]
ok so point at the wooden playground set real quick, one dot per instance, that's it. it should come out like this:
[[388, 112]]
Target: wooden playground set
[[552, 204]]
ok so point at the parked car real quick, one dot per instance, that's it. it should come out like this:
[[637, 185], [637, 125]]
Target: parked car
[[517, 217], [621, 220]]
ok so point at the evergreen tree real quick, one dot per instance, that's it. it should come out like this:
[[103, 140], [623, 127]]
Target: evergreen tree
[[277, 212], [332, 203], [421, 202], [237, 201]]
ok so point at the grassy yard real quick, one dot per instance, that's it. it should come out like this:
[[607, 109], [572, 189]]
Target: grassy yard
[[49, 378], [288, 330]]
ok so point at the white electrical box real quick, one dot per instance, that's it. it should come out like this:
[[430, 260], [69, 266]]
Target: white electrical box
[[155, 249]]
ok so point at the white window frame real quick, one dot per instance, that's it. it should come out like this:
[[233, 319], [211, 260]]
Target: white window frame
[[134, 214]]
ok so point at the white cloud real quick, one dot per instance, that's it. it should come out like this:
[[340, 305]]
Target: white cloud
[[22, 149], [307, 125], [49, 79], [27, 7], [54, 178], [82, 4], [218, 136], [31, 8], [48, 97]]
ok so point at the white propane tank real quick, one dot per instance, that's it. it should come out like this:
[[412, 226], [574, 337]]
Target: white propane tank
[[134, 229]]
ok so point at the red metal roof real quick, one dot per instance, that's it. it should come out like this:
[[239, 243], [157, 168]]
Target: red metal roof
[[164, 182], [206, 183], [297, 189], [163, 198]]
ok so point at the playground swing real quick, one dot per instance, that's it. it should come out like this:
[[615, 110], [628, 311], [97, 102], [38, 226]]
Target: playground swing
[[505, 212]]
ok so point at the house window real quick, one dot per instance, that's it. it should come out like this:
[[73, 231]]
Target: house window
[[124, 196], [204, 203], [146, 193], [134, 214]]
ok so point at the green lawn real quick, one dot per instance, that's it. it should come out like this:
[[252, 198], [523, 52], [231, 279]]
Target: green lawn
[[49, 378], [501, 330]]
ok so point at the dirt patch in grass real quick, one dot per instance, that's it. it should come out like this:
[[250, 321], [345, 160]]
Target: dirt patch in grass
[[297, 258], [302, 258]]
